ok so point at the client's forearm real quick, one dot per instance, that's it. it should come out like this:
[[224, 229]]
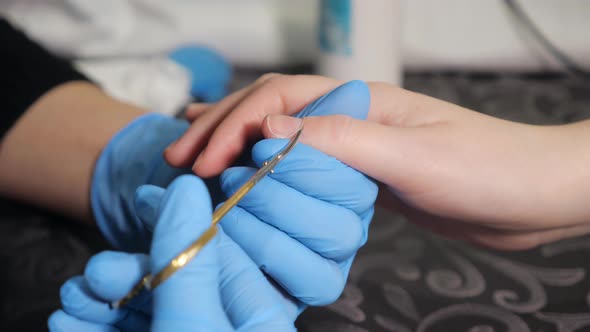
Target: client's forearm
[[570, 171], [47, 158]]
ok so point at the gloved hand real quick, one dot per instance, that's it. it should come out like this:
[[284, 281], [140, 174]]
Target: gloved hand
[[313, 212], [132, 158], [210, 72], [221, 289], [303, 224]]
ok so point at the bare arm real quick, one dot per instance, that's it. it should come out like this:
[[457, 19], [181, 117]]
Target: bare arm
[[47, 157]]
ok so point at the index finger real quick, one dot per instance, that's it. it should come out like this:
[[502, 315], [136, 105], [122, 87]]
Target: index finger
[[280, 95], [288, 95]]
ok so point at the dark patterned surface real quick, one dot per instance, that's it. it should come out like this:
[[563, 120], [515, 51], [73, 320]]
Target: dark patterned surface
[[403, 279]]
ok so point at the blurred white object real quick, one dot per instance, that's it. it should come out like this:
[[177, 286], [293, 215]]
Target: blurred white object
[[246, 32], [154, 83], [482, 35], [361, 39], [124, 45], [450, 34]]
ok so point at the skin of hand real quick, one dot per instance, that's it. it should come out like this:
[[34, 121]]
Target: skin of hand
[[221, 289], [457, 172]]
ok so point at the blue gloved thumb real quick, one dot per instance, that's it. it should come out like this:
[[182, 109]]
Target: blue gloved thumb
[[147, 203], [352, 99], [148, 197], [190, 299], [210, 72]]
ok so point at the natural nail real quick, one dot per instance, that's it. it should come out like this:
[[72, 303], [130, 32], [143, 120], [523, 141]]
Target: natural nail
[[282, 126]]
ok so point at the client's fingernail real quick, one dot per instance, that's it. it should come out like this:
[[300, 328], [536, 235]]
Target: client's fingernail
[[198, 160], [170, 146], [282, 126]]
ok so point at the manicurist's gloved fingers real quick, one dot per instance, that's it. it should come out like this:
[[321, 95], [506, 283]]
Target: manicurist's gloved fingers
[[132, 157], [258, 307], [304, 274], [318, 175], [147, 203], [313, 210], [80, 302], [108, 276], [330, 230], [251, 302], [111, 275], [59, 321], [190, 299]]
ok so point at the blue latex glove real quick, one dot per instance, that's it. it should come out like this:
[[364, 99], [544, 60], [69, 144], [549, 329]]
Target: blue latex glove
[[210, 72], [303, 224], [220, 290], [321, 220], [132, 158]]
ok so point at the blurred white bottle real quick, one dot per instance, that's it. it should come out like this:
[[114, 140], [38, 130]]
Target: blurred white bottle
[[361, 39]]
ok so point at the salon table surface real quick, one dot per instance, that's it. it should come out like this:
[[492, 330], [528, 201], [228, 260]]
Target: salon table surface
[[403, 280]]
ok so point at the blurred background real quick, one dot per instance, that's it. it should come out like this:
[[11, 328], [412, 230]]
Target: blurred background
[[523, 60], [158, 54]]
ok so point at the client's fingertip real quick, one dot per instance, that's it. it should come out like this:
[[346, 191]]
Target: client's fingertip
[[280, 126], [175, 156], [170, 154], [265, 127], [206, 168], [195, 110], [182, 152], [199, 161]]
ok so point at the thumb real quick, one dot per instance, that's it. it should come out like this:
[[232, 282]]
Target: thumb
[[372, 148], [147, 203], [352, 99], [189, 300]]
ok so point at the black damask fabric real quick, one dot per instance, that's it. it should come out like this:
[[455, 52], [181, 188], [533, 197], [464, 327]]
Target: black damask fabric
[[403, 280]]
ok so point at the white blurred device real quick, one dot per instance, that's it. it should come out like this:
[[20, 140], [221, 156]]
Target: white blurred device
[[450, 34], [123, 44], [360, 39]]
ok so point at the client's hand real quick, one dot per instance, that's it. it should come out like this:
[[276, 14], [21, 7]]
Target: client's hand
[[221, 289], [455, 171]]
